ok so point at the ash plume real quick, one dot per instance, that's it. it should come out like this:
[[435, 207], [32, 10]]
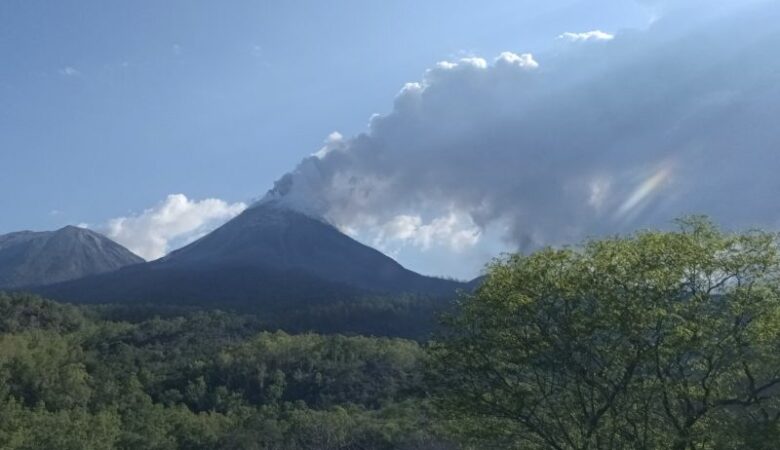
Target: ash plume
[[596, 136]]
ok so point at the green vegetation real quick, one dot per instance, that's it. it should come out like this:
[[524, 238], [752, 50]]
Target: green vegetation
[[655, 341], [408, 316], [659, 340], [70, 379]]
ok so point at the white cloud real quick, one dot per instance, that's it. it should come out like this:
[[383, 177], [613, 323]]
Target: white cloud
[[595, 35], [446, 65], [69, 71], [175, 221], [455, 231], [474, 61], [332, 142], [525, 60]]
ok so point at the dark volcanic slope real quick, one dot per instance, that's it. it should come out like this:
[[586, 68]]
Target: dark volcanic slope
[[283, 239], [214, 286], [39, 258], [268, 254]]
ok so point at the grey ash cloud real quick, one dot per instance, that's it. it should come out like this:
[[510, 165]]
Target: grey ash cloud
[[598, 136]]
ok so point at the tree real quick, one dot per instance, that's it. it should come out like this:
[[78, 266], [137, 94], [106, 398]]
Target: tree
[[654, 340]]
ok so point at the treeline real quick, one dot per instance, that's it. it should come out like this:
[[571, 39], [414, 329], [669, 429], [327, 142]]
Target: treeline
[[70, 379], [405, 315]]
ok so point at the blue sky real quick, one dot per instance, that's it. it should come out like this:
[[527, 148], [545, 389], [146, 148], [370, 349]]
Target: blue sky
[[217, 100], [107, 109]]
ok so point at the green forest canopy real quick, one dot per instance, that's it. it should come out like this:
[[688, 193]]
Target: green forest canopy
[[653, 341]]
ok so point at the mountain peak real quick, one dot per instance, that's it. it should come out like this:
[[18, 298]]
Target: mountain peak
[[36, 258], [301, 199], [274, 236], [72, 228]]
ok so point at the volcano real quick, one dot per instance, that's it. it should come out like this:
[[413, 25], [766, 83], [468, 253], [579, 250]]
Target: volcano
[[268, 254]]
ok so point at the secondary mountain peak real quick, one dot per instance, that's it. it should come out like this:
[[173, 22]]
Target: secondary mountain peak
[[30, 258]]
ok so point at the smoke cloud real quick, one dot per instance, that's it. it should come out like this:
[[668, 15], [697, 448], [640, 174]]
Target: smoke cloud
[[600, 135], [174, 222]]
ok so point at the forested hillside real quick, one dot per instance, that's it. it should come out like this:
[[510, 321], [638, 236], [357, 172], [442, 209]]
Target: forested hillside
[[71, 380]]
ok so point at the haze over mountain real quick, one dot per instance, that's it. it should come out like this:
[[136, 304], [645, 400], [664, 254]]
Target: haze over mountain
[[39, 258], [268, 253]]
